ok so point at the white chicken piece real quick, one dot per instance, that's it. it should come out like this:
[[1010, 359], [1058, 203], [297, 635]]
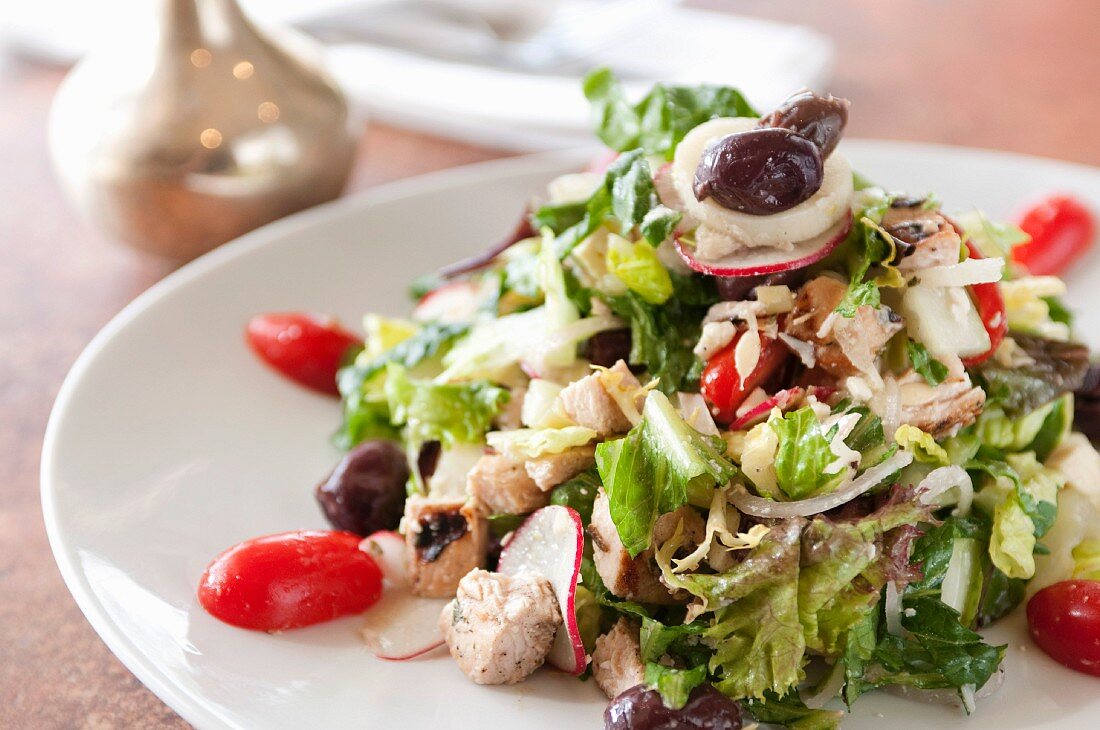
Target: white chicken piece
[[446, 539], [509, 416], [842, 346], [617, 660], [638, 578], [550, 470], [588, 403], [501, 486], [500, 628], [932, 238]]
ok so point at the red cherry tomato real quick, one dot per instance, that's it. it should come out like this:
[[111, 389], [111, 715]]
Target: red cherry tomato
[[305, 348], [289, 580], [722, 385], [991, 308], [1064, 620], [1061, 230]]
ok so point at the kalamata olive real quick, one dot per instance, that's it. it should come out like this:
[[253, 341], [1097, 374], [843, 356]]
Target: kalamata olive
[[759, 172], [608, 347], [1086, 405], [820, 119], [366, 491], [641, 708], [740, 288]]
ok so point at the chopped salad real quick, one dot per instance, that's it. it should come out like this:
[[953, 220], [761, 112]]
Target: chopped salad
[[722, 426]]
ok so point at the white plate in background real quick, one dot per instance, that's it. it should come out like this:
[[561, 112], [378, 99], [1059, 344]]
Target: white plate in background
[[169, 442]]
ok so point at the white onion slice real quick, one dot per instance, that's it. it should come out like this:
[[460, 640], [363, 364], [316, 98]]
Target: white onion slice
[[944, 478], [760, 507], [892, 609], [967, 273], [829, 688], [568, 335]]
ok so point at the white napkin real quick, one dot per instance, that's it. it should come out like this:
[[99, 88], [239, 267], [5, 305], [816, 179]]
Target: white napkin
[[655, 40]]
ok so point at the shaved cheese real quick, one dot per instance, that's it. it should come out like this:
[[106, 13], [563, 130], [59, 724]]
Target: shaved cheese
[[627, 397], [714, 337], [746, 354], [803, 349], [726, 311], [827, 326], [846, 456], [694, 411], [857, 388], [755, 398]]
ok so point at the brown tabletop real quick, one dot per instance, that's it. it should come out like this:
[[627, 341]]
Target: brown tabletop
[[1011, 75]]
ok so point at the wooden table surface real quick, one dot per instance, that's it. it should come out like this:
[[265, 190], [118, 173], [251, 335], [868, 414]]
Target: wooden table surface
[[1005, 74]]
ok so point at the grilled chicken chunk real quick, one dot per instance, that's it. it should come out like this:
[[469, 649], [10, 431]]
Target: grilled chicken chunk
[[637, 578], [924, 237], [501, 485], [550, 470], [842, 346], [446, 539], [940, 410], [500, 628], [617, 660], [588, 403]]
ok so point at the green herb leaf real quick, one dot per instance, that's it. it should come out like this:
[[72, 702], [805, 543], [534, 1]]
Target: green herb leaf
[[791, 713], [932, 370], [579, 493]]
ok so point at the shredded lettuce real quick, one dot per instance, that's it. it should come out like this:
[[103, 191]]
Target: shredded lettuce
[[531, 443], [660, 465], [637, 265], [867, 246], [446, 412], [1086, 560], [1040, 431], [1027, 308]]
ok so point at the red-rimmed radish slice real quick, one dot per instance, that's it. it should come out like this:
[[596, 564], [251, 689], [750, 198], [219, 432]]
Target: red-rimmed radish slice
[[549, 543], [400, 626], [767, 260], [454, 302], [784, 400]]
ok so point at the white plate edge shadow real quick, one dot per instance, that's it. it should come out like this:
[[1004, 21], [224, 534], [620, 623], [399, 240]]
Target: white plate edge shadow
[[186, 704]]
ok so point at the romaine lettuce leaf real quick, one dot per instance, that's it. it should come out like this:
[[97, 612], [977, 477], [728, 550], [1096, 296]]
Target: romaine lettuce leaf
[[660, 465], [921, 445], [446, 412], [804, 454], [531, 443]]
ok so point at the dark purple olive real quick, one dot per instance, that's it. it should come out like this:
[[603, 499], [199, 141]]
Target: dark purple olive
[[640, 708], [820, 119], [759, 172], [1086, 405], [740, 288], [607, 348], [366, 491]]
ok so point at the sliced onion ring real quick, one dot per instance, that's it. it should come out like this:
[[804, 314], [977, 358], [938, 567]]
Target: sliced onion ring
[[760, 507], [940, 480]]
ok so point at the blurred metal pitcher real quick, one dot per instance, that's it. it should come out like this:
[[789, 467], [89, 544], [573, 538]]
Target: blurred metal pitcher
[[201, 130]]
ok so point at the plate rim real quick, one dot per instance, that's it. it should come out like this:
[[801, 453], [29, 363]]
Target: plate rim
[[189, 706]]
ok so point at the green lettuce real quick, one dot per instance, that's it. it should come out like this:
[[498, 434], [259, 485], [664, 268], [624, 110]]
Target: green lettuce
[[362, 384], [803, 454], [1021, 498], [661, 119], [867, 246], [579, 493], [446, 412], [921, 445], [660, 465], [1039, 431], [637, 266], [791, 713], [627, 199], [674, 685], [1086, 560], [662, 337], [531, 443]]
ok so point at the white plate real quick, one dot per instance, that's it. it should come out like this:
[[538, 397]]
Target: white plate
[[169, 442]]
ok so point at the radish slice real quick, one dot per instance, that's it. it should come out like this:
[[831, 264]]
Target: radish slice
[[454, 302], [400, 626], [549, 543], [766, 260], [784, 400]]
